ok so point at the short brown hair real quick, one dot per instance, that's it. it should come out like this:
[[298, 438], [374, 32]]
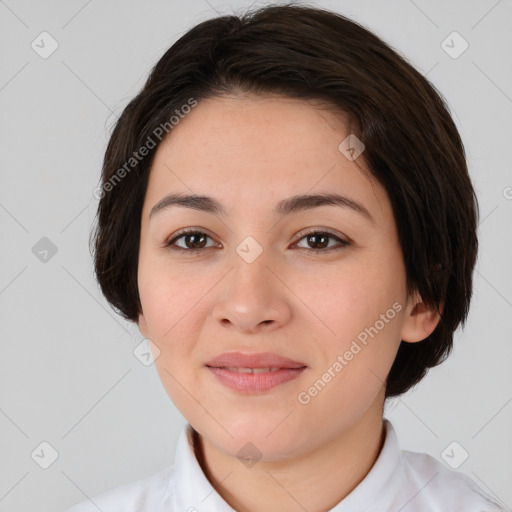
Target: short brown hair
[[412, 147]]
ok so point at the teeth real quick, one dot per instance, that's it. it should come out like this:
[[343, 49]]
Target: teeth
[[251, 370]]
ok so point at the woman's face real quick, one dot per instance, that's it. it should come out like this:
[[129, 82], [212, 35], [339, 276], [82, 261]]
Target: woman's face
[[250, 281]]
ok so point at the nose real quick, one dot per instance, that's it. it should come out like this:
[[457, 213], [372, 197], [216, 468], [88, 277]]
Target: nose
[[252, 298]]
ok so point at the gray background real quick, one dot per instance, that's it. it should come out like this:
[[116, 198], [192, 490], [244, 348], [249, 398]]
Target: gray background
[[68, 375]]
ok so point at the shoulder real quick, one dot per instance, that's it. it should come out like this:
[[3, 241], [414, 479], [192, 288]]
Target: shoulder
[[151, 493], [439, 488]]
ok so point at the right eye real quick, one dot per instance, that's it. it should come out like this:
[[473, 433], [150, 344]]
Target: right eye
[[193, 240]]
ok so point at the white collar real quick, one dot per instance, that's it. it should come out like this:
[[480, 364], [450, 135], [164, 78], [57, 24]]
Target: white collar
[[193, 491]]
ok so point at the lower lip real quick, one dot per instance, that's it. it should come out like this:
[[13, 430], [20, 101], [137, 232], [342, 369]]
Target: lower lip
[[255, 382]]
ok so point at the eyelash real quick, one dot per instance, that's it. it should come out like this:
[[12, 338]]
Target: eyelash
[[191, 231]]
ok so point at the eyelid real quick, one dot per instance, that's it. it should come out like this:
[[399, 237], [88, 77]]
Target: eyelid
[[313, 231], [341, 239], [170, 242]]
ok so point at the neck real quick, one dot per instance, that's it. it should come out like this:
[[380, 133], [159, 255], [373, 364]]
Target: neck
[[333, 470]]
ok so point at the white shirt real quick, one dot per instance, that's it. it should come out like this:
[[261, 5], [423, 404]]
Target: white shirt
[[398, 481]]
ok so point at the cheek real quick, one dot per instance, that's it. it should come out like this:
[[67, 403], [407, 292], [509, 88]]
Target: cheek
[[362, 306], [172, 302], [350, 298], [171, 296]]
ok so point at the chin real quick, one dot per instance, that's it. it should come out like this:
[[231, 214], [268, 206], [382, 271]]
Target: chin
[[259, 437]]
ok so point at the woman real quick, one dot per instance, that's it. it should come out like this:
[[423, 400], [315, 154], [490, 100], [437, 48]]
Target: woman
[[286, 213]]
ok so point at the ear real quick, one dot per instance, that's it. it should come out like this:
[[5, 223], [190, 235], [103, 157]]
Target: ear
[[420, 320]]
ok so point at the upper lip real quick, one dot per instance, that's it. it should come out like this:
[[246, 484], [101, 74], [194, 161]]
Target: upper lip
[[253, 360]]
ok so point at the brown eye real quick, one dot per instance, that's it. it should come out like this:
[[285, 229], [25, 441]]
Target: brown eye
[[318, 241], [190, 241]]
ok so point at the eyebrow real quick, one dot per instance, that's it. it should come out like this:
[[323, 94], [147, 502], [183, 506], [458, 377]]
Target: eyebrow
[[284, 207]]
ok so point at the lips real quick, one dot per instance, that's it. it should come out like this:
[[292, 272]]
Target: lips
[[239, 361], [241, 369], [254, 373]]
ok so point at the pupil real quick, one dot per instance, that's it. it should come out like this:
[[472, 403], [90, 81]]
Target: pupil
[[194, 243], [324, 243]]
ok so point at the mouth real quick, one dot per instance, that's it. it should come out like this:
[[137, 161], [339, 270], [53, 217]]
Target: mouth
[[253, 372], [241, 369]]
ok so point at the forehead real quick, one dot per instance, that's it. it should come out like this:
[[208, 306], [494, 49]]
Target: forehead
[[248, 150]]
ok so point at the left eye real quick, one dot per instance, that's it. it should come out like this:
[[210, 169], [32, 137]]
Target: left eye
[[321, 240]]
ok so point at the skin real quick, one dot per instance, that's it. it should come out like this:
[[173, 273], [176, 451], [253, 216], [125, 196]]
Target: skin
[[249, 153]]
